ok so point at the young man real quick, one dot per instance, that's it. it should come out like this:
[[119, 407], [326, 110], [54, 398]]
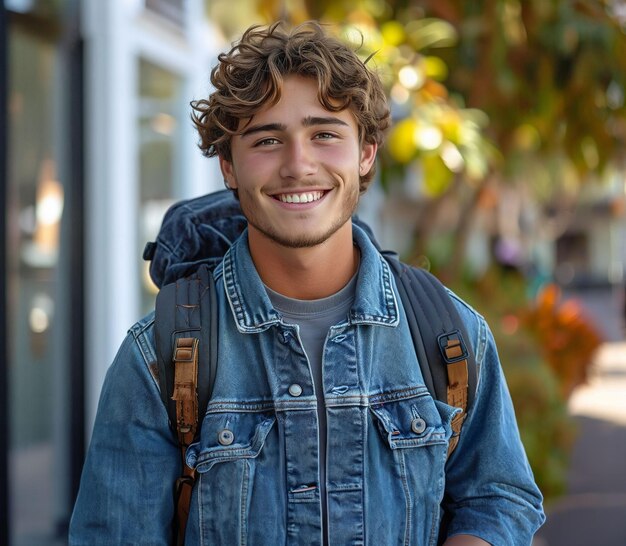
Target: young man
[[320, 429]]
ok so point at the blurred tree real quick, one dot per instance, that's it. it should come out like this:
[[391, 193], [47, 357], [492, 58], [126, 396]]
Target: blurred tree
[[543, 80], [550, 74]]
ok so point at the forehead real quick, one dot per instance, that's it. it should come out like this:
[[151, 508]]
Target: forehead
[[299, 102]]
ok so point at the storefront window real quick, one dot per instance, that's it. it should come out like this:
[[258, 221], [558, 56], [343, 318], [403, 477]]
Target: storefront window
[[42, 8], [173, 10], [160, 112], [38, 370]]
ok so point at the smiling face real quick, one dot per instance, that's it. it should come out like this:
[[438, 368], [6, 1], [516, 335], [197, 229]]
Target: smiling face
[[296, 166]]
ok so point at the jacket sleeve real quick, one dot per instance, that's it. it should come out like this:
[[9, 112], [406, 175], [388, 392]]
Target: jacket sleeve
[[126, 490], [490, 489]]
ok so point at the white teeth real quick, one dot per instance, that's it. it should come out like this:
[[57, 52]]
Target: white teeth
[[300, 197]]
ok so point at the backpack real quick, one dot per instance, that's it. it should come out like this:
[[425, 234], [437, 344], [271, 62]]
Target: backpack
[[194, 236]]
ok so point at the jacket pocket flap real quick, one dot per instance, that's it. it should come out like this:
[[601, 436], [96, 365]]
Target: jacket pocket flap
[[410, 423], [228, 436]]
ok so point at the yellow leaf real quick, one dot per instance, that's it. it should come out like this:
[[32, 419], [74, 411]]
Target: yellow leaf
[[393, 33], [401, 143], [437, 177], [435, 68]]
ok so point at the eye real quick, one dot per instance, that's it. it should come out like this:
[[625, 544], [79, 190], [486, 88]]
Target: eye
[[269, 141], [324, 136]]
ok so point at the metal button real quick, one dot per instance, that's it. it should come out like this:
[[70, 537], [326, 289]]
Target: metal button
[[225, 437], [295, 390], [418, 425]]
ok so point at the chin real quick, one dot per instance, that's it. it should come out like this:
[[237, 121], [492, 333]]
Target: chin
[[298, 240]]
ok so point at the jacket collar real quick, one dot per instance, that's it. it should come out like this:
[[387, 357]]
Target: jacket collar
[[375, 300]]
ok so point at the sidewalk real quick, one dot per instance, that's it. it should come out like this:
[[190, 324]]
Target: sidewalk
[[593, 513]]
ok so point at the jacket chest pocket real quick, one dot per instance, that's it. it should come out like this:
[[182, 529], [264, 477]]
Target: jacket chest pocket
[[232, 447], [229, 436], [412, 437]]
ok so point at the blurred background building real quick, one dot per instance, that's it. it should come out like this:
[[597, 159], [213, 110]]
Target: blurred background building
[[96, 141]]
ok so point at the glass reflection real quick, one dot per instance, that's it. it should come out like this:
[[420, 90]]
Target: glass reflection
[[160, 109], [38, 365]]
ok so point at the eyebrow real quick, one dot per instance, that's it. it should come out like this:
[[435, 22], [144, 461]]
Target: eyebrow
[[330, 120], [309, 121], [263, 128]]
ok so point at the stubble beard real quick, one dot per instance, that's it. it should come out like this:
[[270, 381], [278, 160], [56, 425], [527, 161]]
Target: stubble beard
[[263, 225]]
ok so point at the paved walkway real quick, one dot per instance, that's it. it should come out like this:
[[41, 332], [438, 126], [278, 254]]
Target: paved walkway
[[593, 513]]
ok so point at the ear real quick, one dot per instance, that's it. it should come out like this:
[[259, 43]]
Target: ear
[[228, 172], [368, 156]]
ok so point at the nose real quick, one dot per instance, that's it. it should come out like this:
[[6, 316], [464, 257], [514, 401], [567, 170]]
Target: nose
[[298, 160]]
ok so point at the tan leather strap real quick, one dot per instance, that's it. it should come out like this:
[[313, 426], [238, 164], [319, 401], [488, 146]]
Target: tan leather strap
[[186, 396], [457, 387], [186, 388]]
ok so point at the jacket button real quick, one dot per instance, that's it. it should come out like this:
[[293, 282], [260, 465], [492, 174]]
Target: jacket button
[[418, 425], [225, 437], [295, 390]]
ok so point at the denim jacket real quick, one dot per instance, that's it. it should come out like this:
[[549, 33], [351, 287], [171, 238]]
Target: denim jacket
[[388, 481]]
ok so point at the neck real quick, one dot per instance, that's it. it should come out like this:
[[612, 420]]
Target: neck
[[305, 273]]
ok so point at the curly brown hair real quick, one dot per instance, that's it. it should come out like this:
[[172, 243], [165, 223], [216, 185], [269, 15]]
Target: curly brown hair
[[249, 77]]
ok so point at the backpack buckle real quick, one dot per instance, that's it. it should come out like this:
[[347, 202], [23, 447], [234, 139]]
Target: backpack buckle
[[452, 347]]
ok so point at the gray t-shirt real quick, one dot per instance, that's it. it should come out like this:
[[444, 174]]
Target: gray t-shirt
[[314, 318]]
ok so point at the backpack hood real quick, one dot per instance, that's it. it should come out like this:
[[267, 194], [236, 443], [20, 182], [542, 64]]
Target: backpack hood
[[194, 232]]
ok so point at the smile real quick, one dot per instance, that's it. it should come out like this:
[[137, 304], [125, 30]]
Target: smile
[[307, 197]]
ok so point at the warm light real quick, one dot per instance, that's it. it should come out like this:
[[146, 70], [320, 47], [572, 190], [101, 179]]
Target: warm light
[[48, 209], [50, 206], [38, 320], [410, 78], [40, 313], [427, 137], [452, 157], [164, 124]]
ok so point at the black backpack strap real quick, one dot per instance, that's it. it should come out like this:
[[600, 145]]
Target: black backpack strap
[[186, 309], [186, 344], [439, 335]]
